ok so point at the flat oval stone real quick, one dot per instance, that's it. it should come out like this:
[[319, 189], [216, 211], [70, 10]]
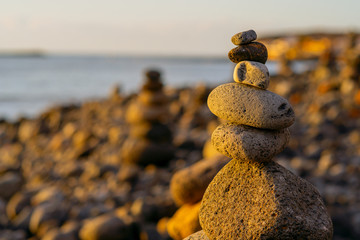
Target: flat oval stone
[[253, 51], [246, 105], [252, 73], [244, 37], [254, 200], [247, 143]]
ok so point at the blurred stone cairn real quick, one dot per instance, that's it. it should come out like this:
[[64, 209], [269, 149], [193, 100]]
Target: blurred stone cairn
[[150, 138], [253, 197]]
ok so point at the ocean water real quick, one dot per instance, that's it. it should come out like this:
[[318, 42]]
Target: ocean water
[[29, 85]]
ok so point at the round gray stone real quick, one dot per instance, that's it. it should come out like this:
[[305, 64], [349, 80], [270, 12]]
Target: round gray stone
[[246, 105], [252, 73], [247, 143]]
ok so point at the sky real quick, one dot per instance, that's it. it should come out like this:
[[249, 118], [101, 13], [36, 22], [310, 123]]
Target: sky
[[162, 27]]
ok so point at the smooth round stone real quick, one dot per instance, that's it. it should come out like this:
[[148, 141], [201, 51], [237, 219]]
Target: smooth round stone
[[184, 222], [246, 105], [252, 200], [244, 37], [247, 143], [189, 184], [252, 73], [253, 51]]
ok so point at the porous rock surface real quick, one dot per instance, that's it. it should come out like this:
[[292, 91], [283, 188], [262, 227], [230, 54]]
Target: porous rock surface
[[251, 200], [244, 142], [252, 73], [242, 104]]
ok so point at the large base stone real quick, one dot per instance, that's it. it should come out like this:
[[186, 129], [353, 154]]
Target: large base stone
[[252, 200]]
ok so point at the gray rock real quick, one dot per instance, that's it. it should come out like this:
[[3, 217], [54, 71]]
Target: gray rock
[[22, 220], [189, 184], [153, 132], [242, 104], [52, 213], [244, 37], [107, 227], [253, 51], [17, 203], [200, 235], [48, 195], [247, 143], [4, 221], [13, 235], [251, 200], [68, 231], [144, 209], [56, 234], [143, 152], [252, 73], [10, 183]]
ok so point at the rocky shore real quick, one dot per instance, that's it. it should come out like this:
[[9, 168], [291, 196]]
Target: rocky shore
[[64, 175]]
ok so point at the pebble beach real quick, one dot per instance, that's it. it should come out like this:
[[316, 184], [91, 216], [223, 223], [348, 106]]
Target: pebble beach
[[105, 168]]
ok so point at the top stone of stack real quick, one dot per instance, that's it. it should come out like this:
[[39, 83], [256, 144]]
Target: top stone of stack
[[153, 81], [247, 49], [244, 37]]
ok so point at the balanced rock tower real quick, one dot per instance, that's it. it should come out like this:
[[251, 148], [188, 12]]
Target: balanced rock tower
[[253, 197], [150, 138]]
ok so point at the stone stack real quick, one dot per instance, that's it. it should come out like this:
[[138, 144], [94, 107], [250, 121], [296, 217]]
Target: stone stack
[[253, 197], [150, 138]]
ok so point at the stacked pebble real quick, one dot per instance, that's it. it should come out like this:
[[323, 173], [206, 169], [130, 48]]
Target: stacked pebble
[[150, 138], [253, 197]]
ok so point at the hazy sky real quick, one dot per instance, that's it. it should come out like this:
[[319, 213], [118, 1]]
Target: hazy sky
[[187, 27]]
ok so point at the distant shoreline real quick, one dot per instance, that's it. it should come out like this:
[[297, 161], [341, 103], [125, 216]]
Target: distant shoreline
[[22, 53]]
